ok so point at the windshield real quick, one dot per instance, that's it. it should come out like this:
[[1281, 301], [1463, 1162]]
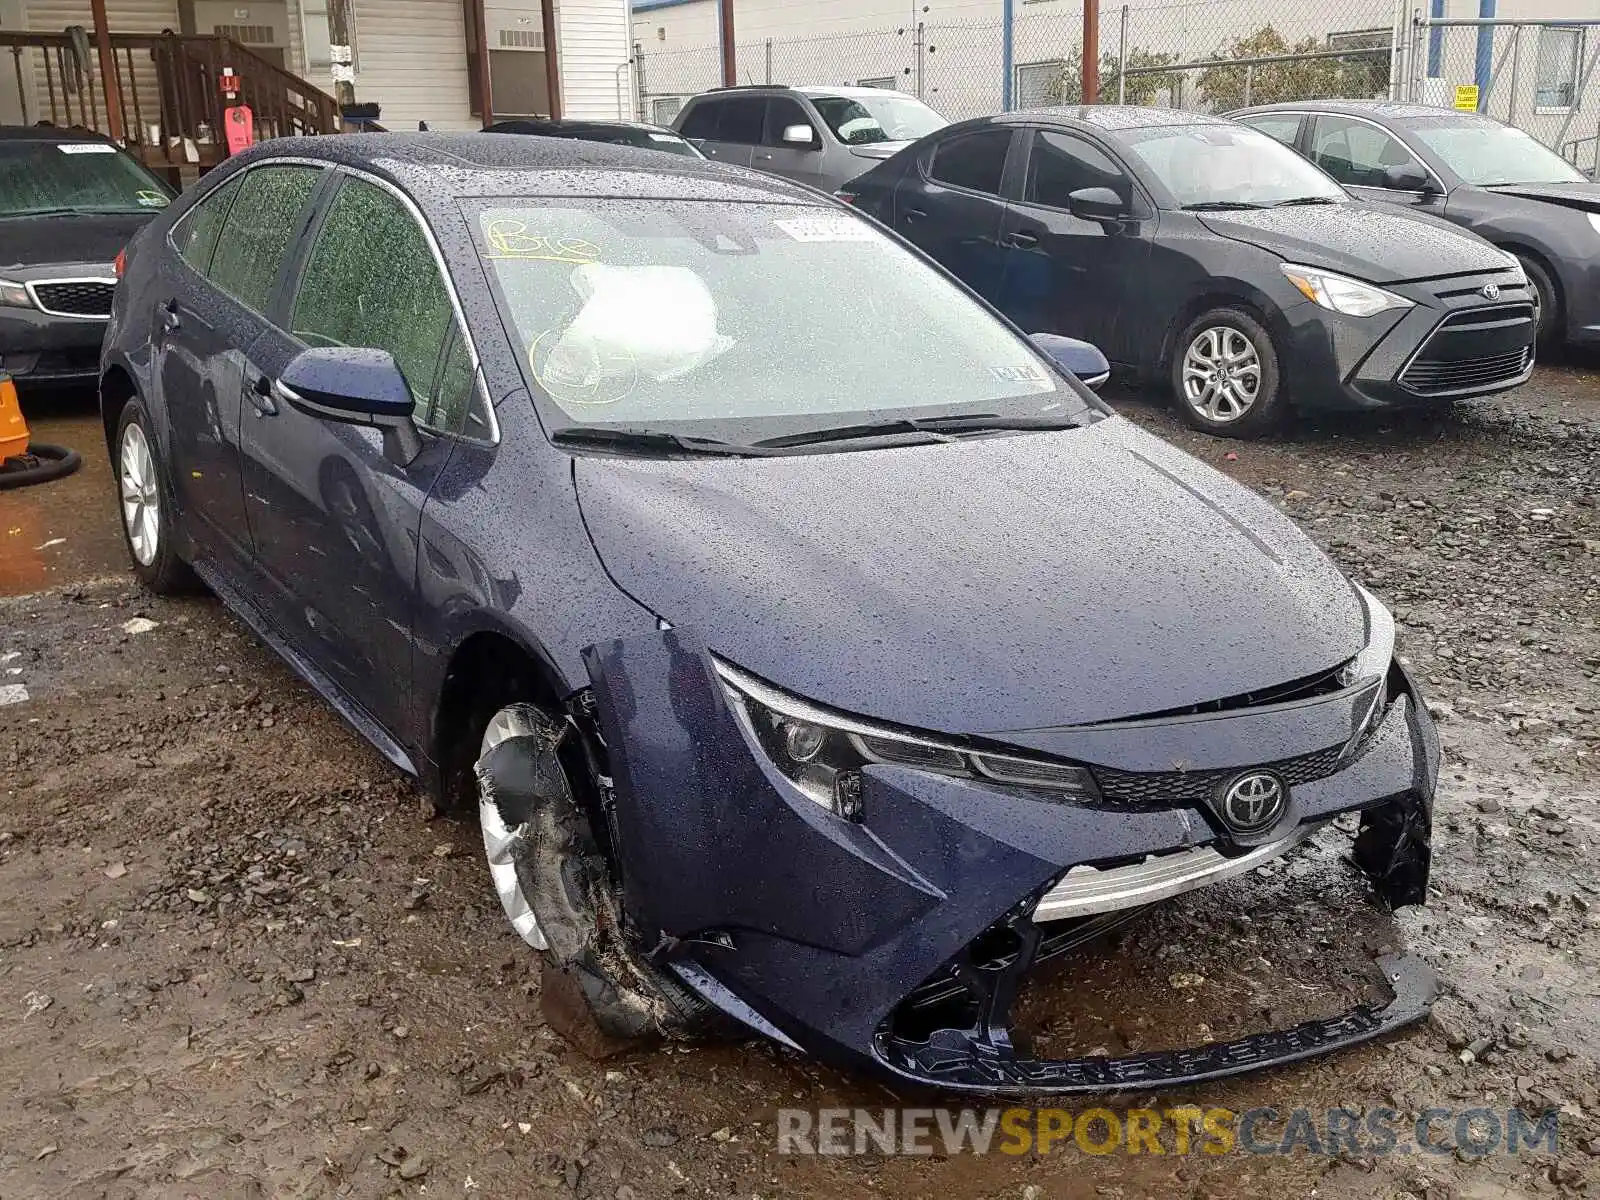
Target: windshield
[[1486, 153], [862, 120], [88, 177], [1228, 166], [746, 322]]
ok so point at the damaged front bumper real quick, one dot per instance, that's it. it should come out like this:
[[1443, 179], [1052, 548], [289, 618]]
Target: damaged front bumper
[[826, 933]]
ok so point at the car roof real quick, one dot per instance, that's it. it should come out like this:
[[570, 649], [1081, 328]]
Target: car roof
[[810, 89], [1376, 109], [560, 124], [440, 168], [1109, 117], [50, 133]]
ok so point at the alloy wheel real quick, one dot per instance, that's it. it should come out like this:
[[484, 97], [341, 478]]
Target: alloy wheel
[[1221, 374], [141, 510], [501, 844]]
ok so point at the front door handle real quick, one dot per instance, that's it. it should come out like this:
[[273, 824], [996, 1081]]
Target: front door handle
[[914, 214], [170, 320], [1022, 241], [260, 395]]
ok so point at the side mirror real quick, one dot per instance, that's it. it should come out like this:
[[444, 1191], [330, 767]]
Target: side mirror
[[1407, 177], [799, 135], [1096, 204], [354, 386], [1079, 359]]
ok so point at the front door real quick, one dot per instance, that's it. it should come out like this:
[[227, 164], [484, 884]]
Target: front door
[[951, 205], [1359, 154], [335, 520], [1065, 274], [792, 160]]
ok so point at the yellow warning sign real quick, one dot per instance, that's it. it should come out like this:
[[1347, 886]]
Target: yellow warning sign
[[1467, 97]]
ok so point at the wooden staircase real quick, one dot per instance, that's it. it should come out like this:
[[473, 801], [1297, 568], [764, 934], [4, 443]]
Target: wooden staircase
[[168, 94]]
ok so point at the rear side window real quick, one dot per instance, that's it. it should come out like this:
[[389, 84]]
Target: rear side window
[[1285, 127], [972, 160], [262, 224], [196, 235], [741, 120], [372, 280], [702, 120]]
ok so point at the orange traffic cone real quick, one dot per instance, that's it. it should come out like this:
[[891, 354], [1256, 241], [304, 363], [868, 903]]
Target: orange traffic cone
[[13, 429]]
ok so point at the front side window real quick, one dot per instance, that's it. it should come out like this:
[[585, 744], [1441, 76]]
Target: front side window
[[372, 281], [263, 222], [1229, 166], [1486, 153], [1060, 164], [1355, 153], [782, 113], [196, 234], [1556, 73], [976, 161], [741, 322], [40, 178], [864, 120]]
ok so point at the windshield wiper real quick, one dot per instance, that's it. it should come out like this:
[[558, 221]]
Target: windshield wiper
[[1220, 206], [647, 441], [938, 429], [1306, 200]]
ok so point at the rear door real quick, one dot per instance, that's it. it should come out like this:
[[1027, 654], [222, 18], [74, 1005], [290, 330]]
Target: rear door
[[802, 163], [951, 204], [335, 520], [727, 127], [231, 247], [1072, 276]]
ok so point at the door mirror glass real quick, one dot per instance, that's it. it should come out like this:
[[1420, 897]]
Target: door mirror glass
[[354, 385], [1096, 204], [1407, 177], [1076, 358], [799, 135]]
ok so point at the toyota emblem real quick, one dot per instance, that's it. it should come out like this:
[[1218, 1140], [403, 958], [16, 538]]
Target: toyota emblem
[[1254, 801], [1491, 291]]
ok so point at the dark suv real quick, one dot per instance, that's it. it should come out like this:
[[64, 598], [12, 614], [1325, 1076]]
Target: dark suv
[[821, 136]]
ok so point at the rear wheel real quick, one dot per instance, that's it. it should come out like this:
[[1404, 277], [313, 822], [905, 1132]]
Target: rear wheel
[[1225, 374], [147, 526], [556, 889]]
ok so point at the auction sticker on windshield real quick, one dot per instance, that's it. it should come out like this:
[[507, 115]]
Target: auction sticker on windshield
[[86, 148], [825, 228]]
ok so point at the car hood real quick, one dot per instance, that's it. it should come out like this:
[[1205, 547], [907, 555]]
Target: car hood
[[1585, 197], [1371, 242], [90, 238], [879, 150], [1003, 583]]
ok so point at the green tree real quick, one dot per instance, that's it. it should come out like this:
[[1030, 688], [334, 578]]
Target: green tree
[[1067, 87], [1224, 87]]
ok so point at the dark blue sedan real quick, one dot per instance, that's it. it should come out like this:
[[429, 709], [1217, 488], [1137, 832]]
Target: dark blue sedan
[[816, 651]]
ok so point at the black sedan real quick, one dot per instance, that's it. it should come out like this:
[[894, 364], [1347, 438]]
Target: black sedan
[[1198, 250], [1495, 180], [69, 201]]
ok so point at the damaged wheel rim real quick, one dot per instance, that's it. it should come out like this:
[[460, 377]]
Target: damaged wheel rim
[[501, 842]]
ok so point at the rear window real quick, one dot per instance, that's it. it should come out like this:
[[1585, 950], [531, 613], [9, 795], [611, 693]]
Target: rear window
[[39, 178]]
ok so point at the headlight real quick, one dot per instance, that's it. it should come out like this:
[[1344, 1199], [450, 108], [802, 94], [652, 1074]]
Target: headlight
[[14, 295], [822, 752], [1372, 664], [1594, 219], [1341, 293]]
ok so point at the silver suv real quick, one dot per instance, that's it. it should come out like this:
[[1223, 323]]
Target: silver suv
[[821, 136]]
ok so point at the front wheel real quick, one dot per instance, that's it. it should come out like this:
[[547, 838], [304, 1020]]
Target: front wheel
[[1225, 374], [1547, 315], [556, 889], [142, 492]]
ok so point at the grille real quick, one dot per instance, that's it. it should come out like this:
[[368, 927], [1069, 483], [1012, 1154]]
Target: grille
[[75, 297], [1433, 376], [1172, 789]]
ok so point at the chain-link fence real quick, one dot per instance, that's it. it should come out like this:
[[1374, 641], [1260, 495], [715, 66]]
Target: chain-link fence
[[1211, 54], [1542, 76]]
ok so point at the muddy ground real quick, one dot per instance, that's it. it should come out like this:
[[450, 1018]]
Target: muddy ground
[[240, 957]]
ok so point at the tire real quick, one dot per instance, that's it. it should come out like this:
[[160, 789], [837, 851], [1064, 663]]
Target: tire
[[1225, 376], [556, 889], [1547, 307], [144, 502]]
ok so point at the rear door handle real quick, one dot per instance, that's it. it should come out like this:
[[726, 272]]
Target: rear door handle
[[260, 394], [1021, 240], [914, 214], [170, 320]]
